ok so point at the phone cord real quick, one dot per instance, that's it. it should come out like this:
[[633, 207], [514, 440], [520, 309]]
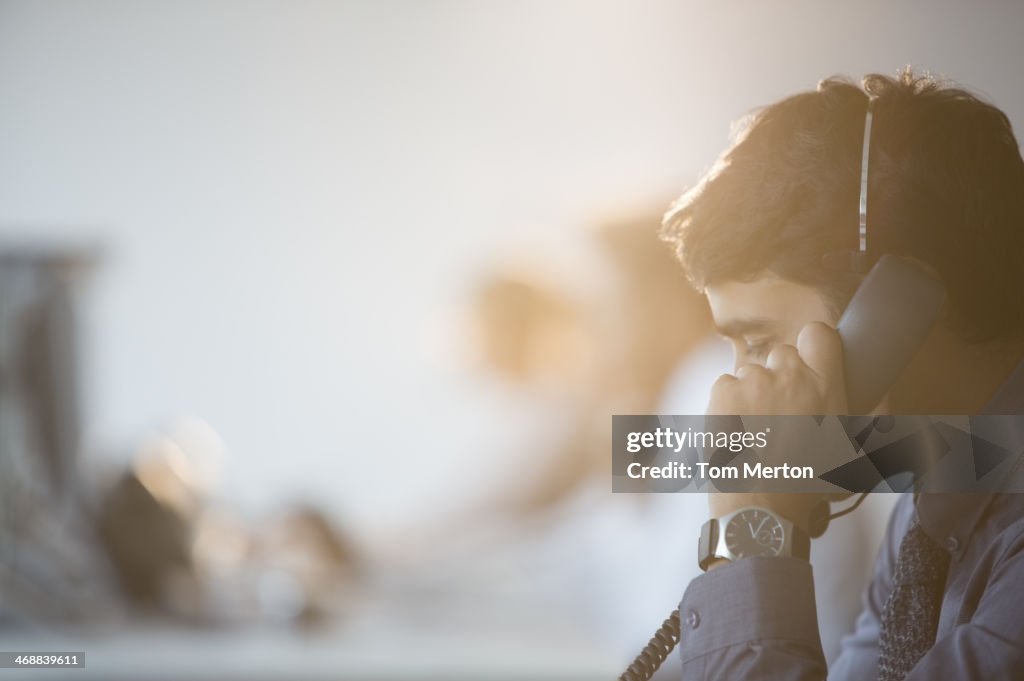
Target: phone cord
[[655, 652]]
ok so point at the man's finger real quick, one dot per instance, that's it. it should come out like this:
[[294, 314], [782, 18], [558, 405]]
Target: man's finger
[[722, 394], [722, 381], [748, 371], [783, 357], [822, 351]]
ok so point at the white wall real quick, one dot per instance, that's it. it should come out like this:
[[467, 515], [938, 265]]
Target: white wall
[[292, 195]]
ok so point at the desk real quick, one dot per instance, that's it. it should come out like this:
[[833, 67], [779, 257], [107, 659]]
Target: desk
[[372, 644]]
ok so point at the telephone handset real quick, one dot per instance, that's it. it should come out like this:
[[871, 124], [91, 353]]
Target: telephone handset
[[886, 321]]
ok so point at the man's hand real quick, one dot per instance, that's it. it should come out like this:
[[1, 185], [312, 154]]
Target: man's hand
[[802, 380]]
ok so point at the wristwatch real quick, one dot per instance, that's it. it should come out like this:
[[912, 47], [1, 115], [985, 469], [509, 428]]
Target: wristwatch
[[750, 531]]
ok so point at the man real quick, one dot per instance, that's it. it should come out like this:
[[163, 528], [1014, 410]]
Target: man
[[946, 188]]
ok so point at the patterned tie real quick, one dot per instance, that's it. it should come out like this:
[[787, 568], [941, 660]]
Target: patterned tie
[[911, 615]]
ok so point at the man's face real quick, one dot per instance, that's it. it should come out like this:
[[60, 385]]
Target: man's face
[[757, 315]]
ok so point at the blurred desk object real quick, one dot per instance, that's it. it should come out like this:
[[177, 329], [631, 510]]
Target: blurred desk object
[[49, 570], [394, 641], [38, 376]]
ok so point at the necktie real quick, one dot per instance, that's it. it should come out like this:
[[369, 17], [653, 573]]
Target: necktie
[[911, 615]]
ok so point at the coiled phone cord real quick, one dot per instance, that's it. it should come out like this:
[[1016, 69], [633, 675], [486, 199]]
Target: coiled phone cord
[[666, 638], [655, 652]]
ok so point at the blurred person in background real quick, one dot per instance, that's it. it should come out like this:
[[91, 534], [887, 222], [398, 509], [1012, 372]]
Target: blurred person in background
[[546, 519], [609, 350], [577, 358], [541, 522]]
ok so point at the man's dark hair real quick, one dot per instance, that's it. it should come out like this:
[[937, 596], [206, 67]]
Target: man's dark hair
[[946, 186]]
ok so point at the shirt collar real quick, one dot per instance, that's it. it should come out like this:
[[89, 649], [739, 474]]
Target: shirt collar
[[950, 519]]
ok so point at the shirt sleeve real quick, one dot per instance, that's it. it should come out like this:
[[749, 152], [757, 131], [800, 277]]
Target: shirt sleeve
[[752, 619], [755, 619]]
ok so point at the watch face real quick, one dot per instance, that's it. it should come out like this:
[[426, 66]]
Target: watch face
[[754, 532]]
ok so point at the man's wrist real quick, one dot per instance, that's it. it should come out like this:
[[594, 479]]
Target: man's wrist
[[752, 529], [796, 508]]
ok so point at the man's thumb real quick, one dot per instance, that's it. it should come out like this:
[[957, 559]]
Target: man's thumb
[[821, 349]]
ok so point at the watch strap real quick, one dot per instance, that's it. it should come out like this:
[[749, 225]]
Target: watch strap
[[707, 543], [800, 543]]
